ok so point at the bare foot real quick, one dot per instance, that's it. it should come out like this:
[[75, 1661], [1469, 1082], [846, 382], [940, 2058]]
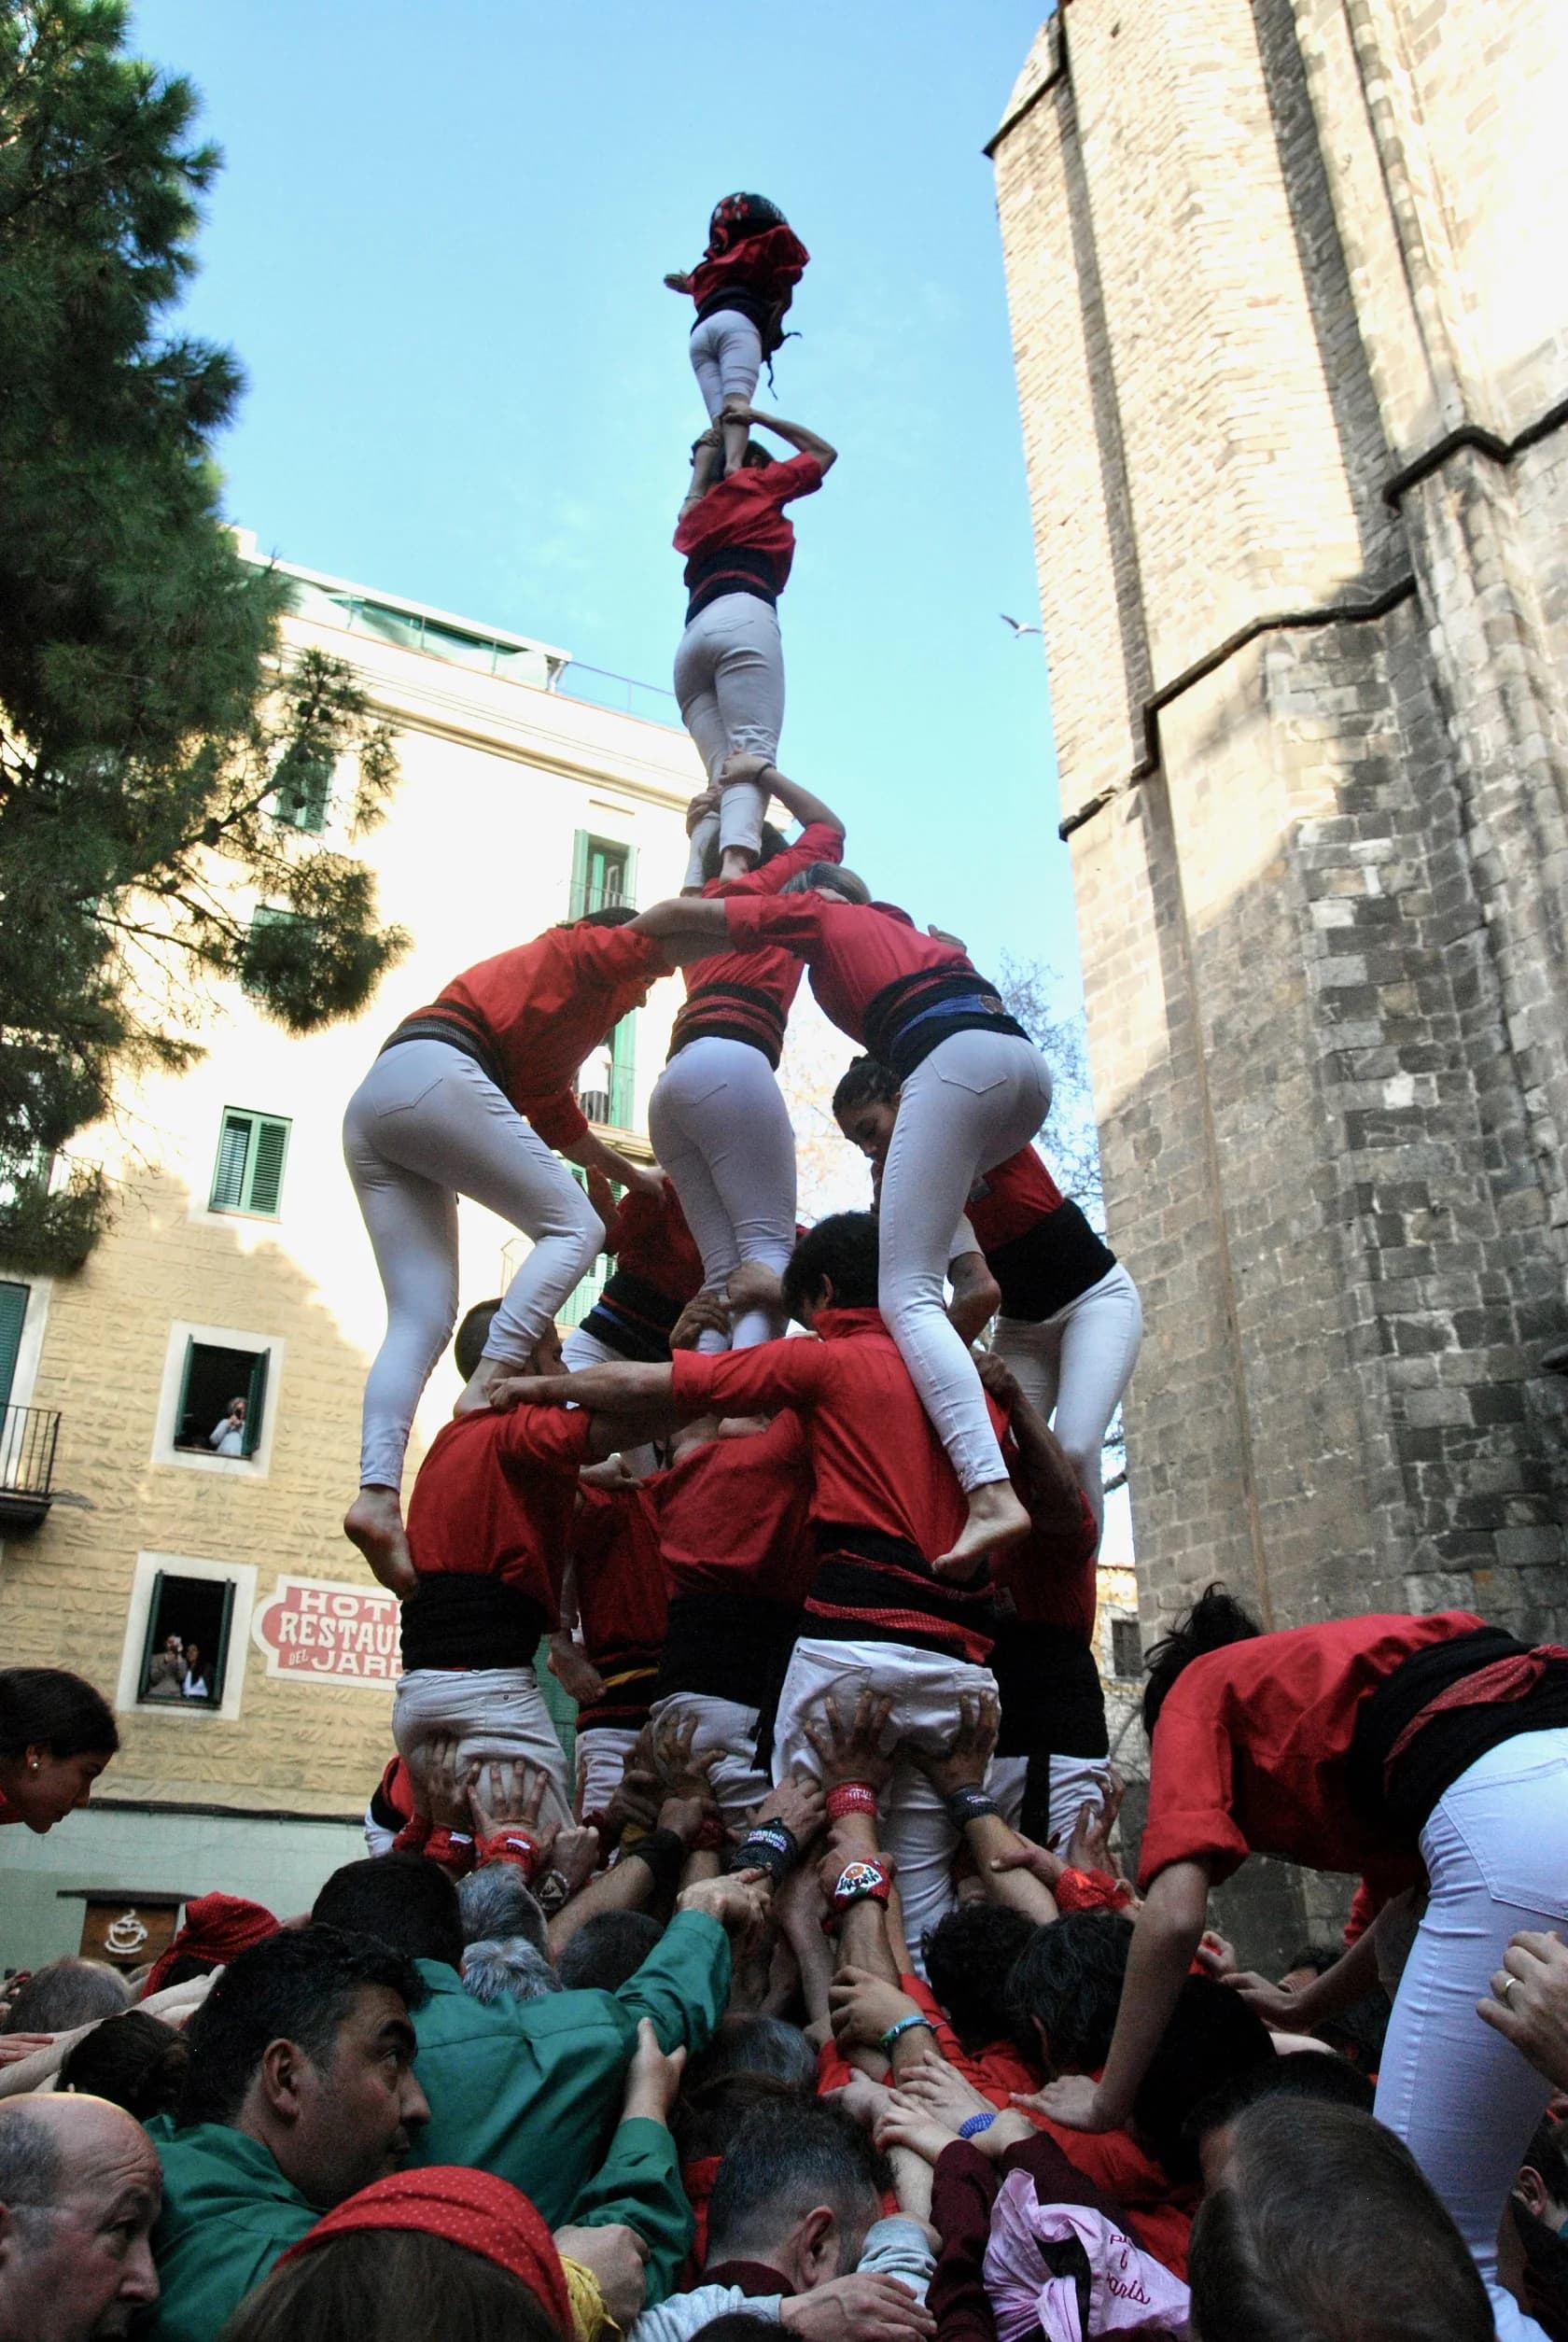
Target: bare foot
[[995, 1518], [374, 1522], [476, 1390]]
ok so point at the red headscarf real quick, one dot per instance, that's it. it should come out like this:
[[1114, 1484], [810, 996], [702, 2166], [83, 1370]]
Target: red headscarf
[[483, 2214], [216, 1928]]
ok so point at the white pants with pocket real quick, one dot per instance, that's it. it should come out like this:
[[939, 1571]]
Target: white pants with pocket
[[739, 1782], [924, 1687], [425, 1126], [1075, 1782], [1075, 1365], [495, 1712], [729, 679], [721, 1131], [1463, 2099], [726, 359], [602, 1750], [977, 1099]]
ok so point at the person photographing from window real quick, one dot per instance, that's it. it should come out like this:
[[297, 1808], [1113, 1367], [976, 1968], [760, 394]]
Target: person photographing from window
[[228, 1438]]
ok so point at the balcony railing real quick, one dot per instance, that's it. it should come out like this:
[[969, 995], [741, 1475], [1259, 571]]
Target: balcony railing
[[28, 1438]]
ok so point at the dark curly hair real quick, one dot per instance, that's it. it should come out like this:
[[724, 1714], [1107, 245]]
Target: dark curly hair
[[1216, 1620], [970, 1955], [864, 1082]]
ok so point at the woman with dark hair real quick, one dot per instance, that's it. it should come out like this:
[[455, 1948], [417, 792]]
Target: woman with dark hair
[[134, 2061], [1070, 1321], [440, 2255], [717, 1118], [742, 286], [974, 1090], [729, 666], [1382, 1747], [56, 1736], [473, 1097]]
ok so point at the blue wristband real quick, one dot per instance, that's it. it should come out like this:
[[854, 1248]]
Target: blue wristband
[[975, 2124], [903, 2026]]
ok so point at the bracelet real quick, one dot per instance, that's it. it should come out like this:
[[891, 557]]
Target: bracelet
[[850, 1797], [899, 2026], [976, 2123], [452, 1848], [858, 1881], [769, 1846], [519, 1847], [552, 1892], [967, 1805]]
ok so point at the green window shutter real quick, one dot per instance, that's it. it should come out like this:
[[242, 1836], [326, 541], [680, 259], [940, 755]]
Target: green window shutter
[[255, 1399], [304, 791], [623, 1073], [576, 902], [183, 1409], [233, 1154], [153, 1612], [264, 1185], [13, 1316], [628, 880], [215, 1677]]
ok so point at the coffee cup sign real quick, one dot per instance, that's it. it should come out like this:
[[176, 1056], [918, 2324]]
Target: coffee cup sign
[[319, 1630]]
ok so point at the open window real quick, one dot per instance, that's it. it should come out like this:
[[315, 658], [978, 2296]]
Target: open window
[[219, 1399], [185, 1653]]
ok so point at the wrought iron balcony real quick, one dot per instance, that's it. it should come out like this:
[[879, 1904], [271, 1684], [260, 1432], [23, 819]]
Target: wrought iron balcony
[[28, 1438]]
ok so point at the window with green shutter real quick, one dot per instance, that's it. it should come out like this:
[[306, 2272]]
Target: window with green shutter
[[604, 874], [304, 791], [13, 1317], [248, 1174], [221, 1383]]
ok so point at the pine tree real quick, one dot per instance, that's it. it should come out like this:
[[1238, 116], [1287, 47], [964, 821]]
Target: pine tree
[[156, 756]]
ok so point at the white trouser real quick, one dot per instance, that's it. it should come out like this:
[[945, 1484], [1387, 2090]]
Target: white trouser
[[924, 1687], [425, 1126], [1078, 1363], [1075, 1782], [726, 359], [978, 1098], [721, 1129], [582, 1349], [602, 1750], [377, 1839], [729, 679], [495, 1712], [1463, 2099], [739, 1783]]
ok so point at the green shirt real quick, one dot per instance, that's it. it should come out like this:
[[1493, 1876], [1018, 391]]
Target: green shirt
[[228, 2214]]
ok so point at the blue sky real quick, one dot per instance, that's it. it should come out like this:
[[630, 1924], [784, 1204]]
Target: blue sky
[[436, 248]]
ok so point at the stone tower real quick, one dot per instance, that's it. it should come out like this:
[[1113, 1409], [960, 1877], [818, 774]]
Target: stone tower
[[1290, 314]]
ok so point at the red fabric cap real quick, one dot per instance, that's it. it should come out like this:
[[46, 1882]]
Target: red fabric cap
[[216, 1928], [472, 2208]]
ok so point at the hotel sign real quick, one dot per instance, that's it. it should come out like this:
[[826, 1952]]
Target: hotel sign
[[319, 1630]]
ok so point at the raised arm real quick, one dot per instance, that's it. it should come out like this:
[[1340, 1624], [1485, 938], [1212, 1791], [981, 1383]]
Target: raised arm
[[685, 919], [1165, 1936], [678, 280], [795, 435], [798, 802], [707, 464], [1049, 1483]]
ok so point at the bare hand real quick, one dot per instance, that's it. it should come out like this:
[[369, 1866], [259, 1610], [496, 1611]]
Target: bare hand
[[856, 2308], [964, 1764], [682, 1774], [679, 282], [937, 2089], [1529, 2001], [1280, 2009], [14, 2047], [1024, 1855], [647, 1179], [742, 764], [653, 2078], [1089, 1848], [575, 1854], [634, 1800], [574, 1671], [863, 2006], [739, 1905], [797, 1804], [508, 1794], [754, 1287], [707, 800], [1073, 2101], [997, 1378], [441, 1787], [601, 1194], [853, 1752], [615, 2253], [905, 2123], [1216, 1956], [705, 1313]]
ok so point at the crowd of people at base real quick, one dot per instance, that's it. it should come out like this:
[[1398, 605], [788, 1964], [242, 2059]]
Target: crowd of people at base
[[817, 2000]]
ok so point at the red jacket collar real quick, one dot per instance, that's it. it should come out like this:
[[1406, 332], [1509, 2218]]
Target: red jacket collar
[[846, 1325]]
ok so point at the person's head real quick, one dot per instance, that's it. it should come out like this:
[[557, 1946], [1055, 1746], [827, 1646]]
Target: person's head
[[305, 2044], [56, 1736], [192, 1656], [1324, 2226], [1065, 1986], [865, 1106], [81, 2187], [236, 1410], [508, 1968], [445, 2254], [738, 2325], [1542, 2184], [172, 1645], [1212, 2038], [1357, 2033], [133, 2061], [834, 1266], [1214, 1621], [713, 853], [605, 1951], [67, 1992], [213, 1929], [496, 1900], [1327, 2081], [399, 1898], [797, 2189], [737, 217], [753, 2060], [468, 1345], [755, 456], [969, 1958], [830, 879]]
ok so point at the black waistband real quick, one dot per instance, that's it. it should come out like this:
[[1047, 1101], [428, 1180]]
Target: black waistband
[[634, 1319], [462, 1619], [1452, 1742], [1050, 1689], [628, 1672], [459, 1030], [909, 1018], [737, 296], [1049, 1264], [731, 1012], [731, 569], [870, 1587], [727, 1646]]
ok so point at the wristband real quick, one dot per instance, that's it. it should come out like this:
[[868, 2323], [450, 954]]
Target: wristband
[[850, 1797], [767, 1846], [453, 1849], [590, 2318], [513, 1844], [966, 1805], [975, 2124], [666, 1857], [899, 2026], [1090, 1890], [858, 1881], [414, 1835]]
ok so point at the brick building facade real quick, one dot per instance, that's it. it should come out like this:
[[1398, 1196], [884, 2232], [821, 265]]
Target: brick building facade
[[1290, 332]]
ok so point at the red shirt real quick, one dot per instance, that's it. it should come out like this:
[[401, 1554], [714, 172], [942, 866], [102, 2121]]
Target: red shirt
[[1051, 1573], [746, 508], [1011, 1200], [1251, 1750], [650, 1239], [544, 1005], [621, 1599], [496, 1496], [733, 1516], [774, 972], [852, 949], [768, 264], [877, 1462]]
